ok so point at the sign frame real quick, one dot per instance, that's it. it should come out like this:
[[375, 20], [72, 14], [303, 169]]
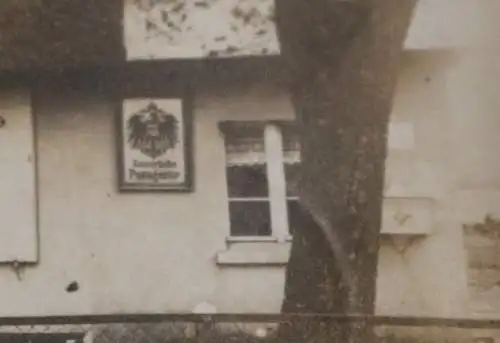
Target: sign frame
[[185, 136]]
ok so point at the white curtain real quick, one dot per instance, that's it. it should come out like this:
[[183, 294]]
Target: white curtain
[[245, 147]]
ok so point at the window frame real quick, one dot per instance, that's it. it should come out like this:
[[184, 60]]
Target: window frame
[[276, 180]]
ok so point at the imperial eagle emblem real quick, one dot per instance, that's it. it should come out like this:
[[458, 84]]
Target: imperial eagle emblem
[[152, 131]]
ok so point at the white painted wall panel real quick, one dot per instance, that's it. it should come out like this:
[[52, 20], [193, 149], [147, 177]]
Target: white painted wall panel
[[440, 24], [18, 223], [148, 253]]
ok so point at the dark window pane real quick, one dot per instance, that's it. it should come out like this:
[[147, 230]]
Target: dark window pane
[[291, 157], [247, 181], [291, 178], [250, 218], [291, 138], [234, 131], [244, 137], [295, 215]]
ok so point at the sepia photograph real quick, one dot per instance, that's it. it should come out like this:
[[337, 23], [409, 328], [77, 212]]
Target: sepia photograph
[[249, 171]]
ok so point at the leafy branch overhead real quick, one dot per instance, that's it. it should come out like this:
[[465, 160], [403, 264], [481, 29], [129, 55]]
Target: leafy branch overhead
[[217, 27]]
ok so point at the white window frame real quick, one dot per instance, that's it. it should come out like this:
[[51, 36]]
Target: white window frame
[[277, 196], [273, 143]]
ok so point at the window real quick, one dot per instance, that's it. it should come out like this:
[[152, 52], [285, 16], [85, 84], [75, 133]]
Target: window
[[262, 167]]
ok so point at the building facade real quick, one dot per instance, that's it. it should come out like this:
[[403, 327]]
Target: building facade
[[72, 243]]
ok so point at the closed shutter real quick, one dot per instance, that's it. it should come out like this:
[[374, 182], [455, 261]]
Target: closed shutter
[[18, 218]]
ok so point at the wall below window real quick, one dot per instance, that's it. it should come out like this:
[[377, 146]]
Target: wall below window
[[152, 253]]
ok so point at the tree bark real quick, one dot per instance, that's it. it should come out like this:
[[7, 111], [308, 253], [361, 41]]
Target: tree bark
[[343, 57]]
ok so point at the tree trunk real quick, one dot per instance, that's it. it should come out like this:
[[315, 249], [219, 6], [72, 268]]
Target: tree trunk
[[343, 57]]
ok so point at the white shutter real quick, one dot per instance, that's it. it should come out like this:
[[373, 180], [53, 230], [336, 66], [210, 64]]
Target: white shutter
[[18, 223]]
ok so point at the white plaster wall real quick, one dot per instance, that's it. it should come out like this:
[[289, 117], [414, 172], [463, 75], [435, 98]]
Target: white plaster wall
[[473, 90], [429, 277], [133, 252], [149, 253], [439, 24], [156, 252]]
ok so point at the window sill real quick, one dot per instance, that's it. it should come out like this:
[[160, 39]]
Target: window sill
[[254, 251], [257, 239]]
